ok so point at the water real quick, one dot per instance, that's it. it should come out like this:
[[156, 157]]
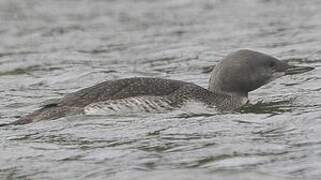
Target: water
[[49, 48]]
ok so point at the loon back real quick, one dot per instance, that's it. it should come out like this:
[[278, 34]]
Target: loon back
[[153, 92]]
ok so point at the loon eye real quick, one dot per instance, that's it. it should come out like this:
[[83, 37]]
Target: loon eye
[[272, 64]]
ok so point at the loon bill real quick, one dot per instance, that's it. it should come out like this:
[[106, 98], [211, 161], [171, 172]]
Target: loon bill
[[230, 81]]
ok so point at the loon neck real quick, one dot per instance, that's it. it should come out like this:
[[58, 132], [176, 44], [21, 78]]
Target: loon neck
[[241, 98], [238, 98]]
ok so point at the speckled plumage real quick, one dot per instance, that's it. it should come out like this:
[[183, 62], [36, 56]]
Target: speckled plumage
[[171, 93]]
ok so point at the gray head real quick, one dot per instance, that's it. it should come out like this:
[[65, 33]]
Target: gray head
[[245, 70]]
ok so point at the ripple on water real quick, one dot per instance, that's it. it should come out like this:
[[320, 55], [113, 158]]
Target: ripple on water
[[48, 50]]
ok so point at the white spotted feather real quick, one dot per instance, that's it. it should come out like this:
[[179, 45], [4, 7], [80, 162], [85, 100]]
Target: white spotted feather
[[149, 104]]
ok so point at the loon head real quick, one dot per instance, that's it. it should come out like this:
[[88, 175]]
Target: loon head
[[246, 70]]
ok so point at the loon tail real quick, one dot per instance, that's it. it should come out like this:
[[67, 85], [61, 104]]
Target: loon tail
[[46, 113], [23, 120]]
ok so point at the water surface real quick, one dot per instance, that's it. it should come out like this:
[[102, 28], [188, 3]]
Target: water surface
[[49, 48]]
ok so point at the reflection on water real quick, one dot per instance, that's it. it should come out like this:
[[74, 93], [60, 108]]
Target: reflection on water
[[49, 48]]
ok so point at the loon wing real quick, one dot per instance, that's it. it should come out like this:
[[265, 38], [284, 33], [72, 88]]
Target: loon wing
[[151, 94], [136, 104], [105, 92], [121, 89]]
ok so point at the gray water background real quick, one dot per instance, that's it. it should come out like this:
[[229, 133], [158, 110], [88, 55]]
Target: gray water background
[[49, 48]]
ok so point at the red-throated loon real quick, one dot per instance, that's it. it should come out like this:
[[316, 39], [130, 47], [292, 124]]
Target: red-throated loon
[[231, 80]]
